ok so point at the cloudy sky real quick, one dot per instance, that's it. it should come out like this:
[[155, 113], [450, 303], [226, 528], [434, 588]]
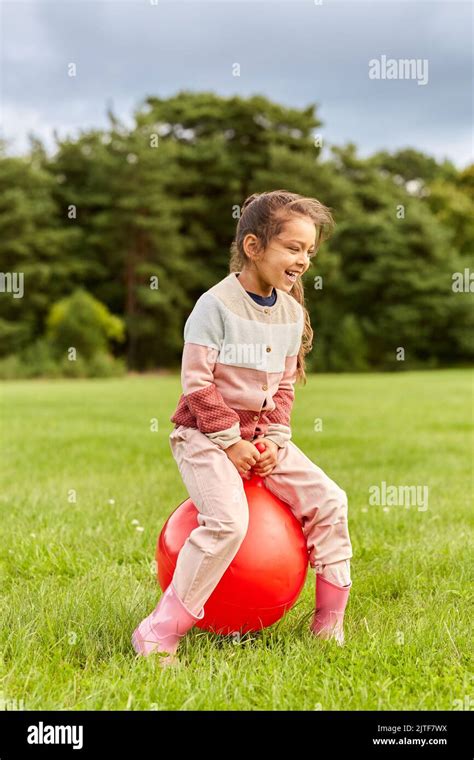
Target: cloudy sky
[[296, 53]]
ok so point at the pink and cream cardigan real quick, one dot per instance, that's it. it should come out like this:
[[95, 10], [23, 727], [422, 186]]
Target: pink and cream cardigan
[[239, 365]]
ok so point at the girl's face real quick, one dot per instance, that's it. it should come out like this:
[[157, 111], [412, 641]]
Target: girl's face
[[288, 252]]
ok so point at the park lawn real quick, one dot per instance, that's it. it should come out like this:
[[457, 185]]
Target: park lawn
[[87, 485]]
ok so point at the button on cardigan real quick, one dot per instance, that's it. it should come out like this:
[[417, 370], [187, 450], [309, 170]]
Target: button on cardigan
[[238, 356]]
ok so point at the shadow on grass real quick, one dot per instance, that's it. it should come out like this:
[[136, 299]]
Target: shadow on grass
[[277, 635]]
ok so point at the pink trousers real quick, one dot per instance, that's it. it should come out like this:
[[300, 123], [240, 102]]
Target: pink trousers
[[217, 490]]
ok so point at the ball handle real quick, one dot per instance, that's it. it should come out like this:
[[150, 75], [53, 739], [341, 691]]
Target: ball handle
[[253, 476]]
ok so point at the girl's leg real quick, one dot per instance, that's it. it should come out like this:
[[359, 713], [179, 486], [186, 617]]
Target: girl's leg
[[338, 572], [216, 488], [320, 505]]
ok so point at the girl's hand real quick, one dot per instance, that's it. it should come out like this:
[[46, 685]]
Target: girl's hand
[[244, 455], [268, 458]]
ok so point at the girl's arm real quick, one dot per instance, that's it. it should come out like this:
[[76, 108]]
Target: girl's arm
[[203, 337], [279, 430]]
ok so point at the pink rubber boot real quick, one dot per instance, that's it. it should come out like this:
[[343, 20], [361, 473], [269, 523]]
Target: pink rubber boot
[[163, 629], [331, 603]]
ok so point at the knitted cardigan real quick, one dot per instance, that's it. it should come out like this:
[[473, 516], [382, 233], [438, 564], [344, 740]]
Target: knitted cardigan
[[238, 365]]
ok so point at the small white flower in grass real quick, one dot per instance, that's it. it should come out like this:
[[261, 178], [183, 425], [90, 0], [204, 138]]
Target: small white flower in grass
[[33, 535], [386, 509], [111, 501], [139, 528], [135, 522]]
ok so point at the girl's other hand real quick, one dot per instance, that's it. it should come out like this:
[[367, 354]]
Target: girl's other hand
[[268, 458], [244, 455]]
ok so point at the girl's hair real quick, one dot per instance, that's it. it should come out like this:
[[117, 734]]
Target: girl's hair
[[264, 215]]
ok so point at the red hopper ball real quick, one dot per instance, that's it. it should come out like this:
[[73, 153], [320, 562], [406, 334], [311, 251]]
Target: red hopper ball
[[266, 576]]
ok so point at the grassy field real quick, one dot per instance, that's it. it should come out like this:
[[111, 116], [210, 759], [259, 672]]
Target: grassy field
[[86, 487]]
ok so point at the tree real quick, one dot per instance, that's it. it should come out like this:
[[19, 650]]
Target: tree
[[32, 241], [82, 322]]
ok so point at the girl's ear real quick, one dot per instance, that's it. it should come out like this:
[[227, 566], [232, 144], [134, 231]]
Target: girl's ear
[[250, 245]]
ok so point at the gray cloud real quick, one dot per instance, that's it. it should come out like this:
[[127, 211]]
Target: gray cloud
[[296, 53]]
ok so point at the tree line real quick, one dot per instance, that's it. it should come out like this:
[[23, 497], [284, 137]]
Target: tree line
[[120, 230]]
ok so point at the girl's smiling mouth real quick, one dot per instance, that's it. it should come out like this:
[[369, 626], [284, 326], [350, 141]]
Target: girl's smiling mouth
[[291, 276]]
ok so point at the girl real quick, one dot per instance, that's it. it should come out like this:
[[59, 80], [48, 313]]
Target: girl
[[244, 347]]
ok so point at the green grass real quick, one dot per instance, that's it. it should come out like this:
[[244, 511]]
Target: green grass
[[77, 576]]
